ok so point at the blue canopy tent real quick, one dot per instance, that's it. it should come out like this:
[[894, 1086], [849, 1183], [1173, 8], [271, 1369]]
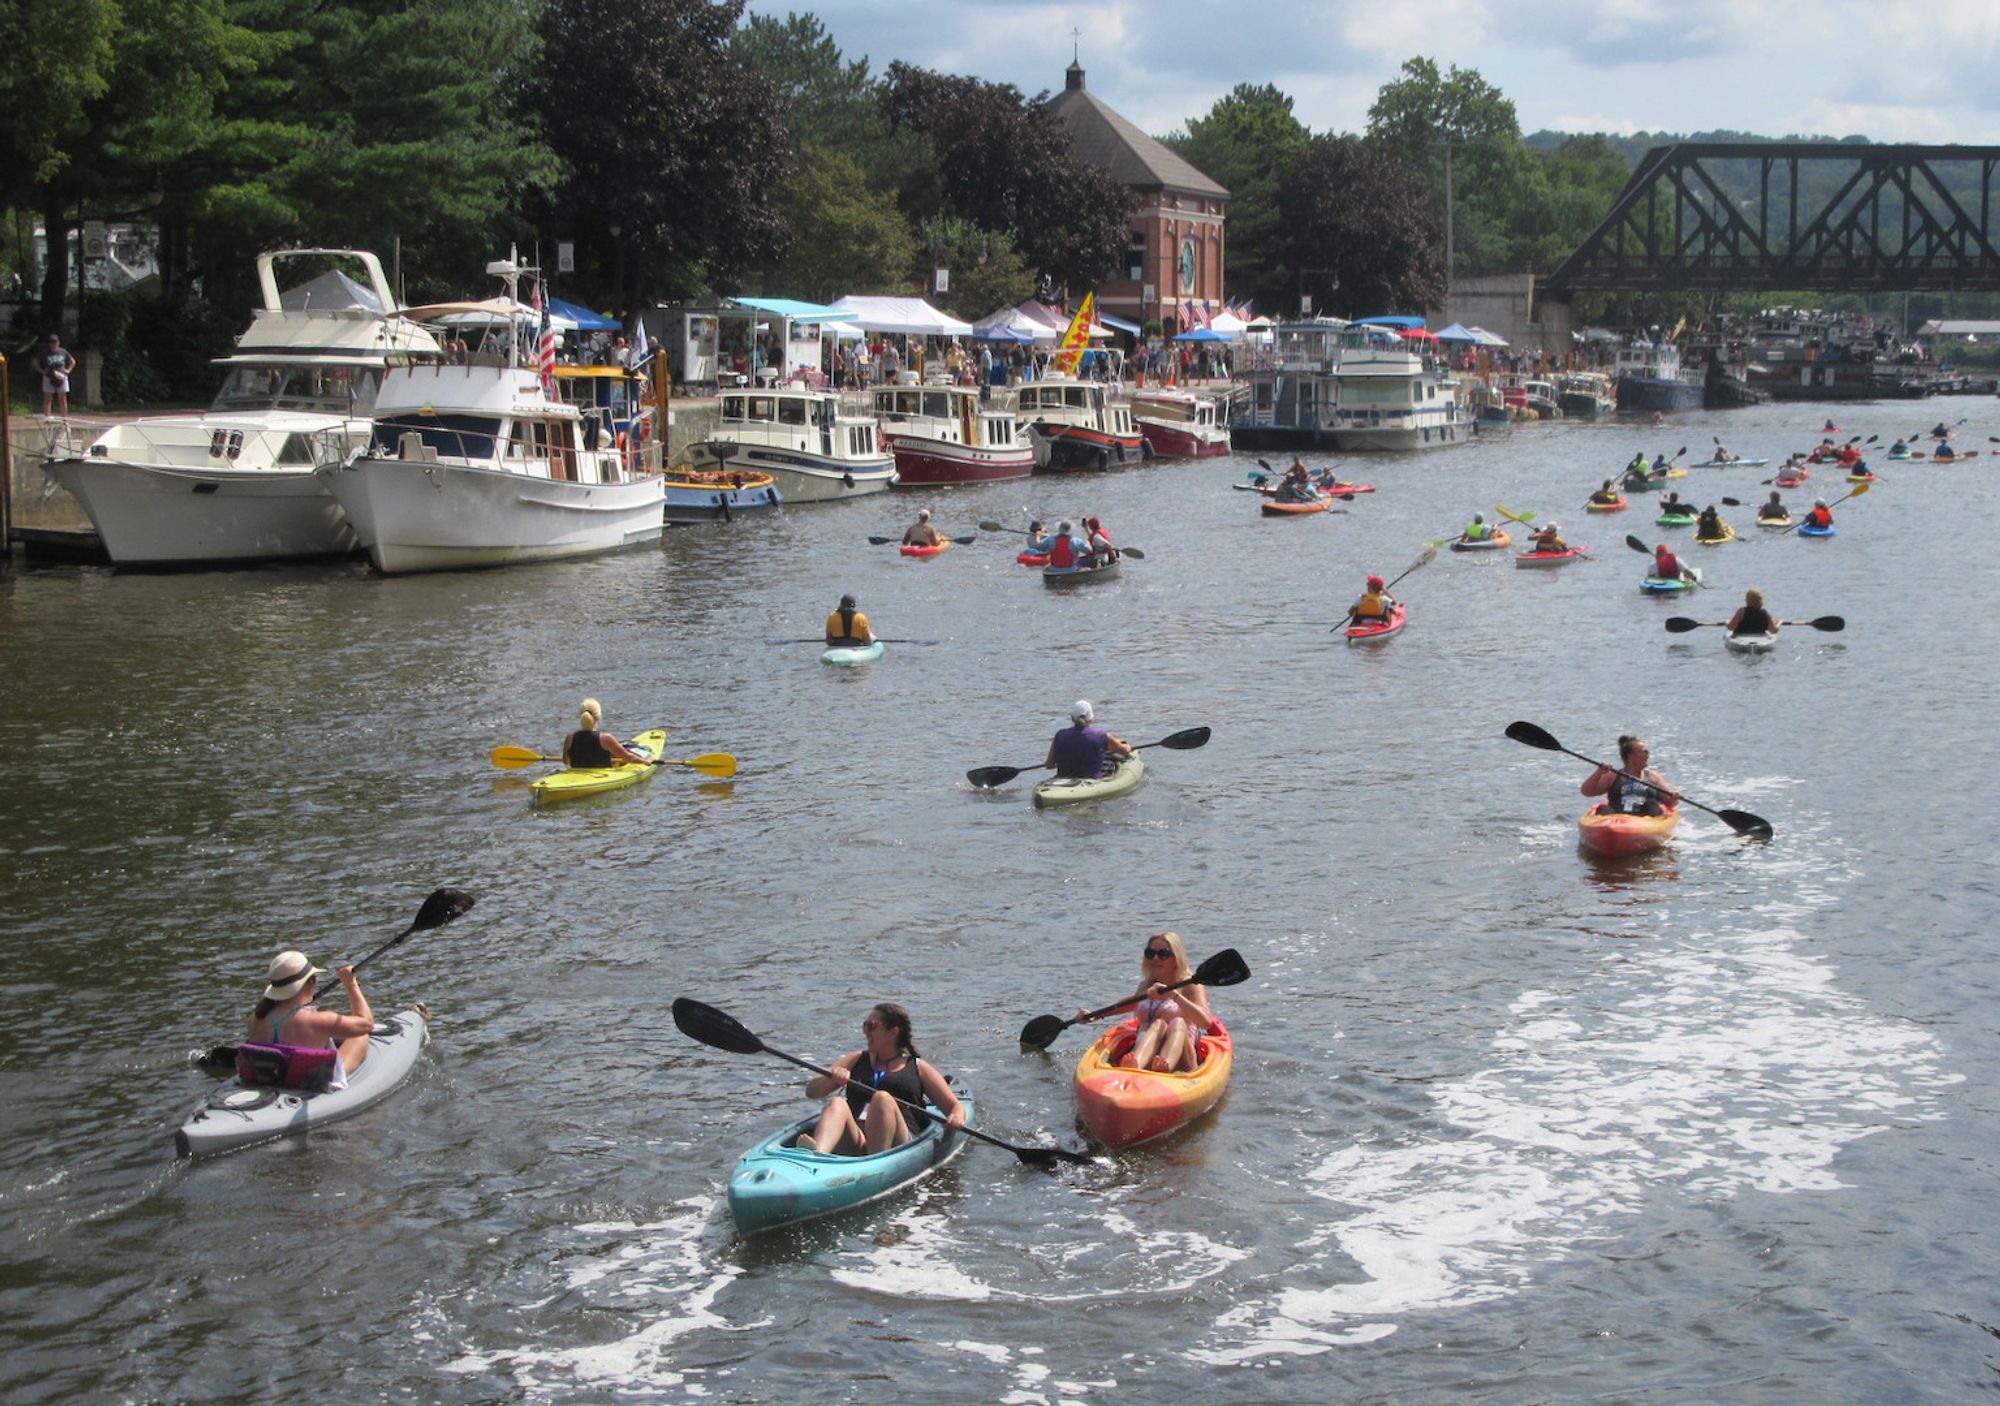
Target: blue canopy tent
[[1201, 334], [1000, 332], [1459, 332], [584, 318]]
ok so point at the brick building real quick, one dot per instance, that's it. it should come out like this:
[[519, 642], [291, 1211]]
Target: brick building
[[1178, 245]]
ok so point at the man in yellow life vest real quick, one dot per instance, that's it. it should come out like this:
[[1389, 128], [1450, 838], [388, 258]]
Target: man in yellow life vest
[[1375, 603], [847, 627]]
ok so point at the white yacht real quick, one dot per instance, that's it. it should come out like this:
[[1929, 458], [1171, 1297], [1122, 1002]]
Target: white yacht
[[479, 465], [944, 435], [801, 439], [1348, 387], [236, 484]]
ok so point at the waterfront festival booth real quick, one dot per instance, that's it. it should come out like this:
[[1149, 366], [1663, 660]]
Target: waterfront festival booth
[[904, 317], [1013, 325], [738, 340]]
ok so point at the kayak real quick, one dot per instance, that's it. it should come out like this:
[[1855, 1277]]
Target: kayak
[[1125, 1107], [1775, 522], [1731, 464], [1904, 457], [778, 1184], [1750, 644], [1642, 485], [1345, 487], [1806, 529], [1485, 544], [1073, 790], [1675, 519], [1032, 558], [1273, 508], [1374, 630], [236, 1114], [1945, 457], [1616, 835], [1073, 575], [1670, 585], [911, 550], [847, 656], [1864, 477], [1728, 535], [1616, 505], [574, 781], [1550, 558]]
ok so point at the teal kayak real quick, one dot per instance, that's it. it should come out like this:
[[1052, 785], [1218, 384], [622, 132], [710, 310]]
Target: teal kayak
[[777, 1184], [1670, 585], [1675, 519], [848, 657]]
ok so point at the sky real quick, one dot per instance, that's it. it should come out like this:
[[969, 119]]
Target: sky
[[1889, 70]]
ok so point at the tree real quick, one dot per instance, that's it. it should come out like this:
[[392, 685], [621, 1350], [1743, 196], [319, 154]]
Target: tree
[[1004, 164], [846, 238], [1417, 117], [986, 271], [1351, 207], [1245, 142], [664, 135]]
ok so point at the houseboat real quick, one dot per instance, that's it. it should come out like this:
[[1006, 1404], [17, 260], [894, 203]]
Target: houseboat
[[1328, 384], [1650, 378], [1076, 425], [1181, 424], [802, 439], [236, 484], [944, 435]]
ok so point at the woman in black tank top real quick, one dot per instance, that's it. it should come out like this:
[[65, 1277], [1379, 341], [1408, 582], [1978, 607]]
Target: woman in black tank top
[[862, 1114], [587, 747], [1751, 618]]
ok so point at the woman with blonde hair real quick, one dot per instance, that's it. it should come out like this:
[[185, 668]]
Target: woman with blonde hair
[[1169, 1021], [588, 747]]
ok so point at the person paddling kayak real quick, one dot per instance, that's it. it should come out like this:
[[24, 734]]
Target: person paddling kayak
[[1549, 539], [847, 627], [1606, 494], [1635, 790], [1773, 509], [1169, 1021], [1296, 487], [921, 533], [1374, 603], [285, 1019], [862, 1116], [1667, 566], [1821, 516], [1671, 504], [1751, 618], [1478, 531], [1101, 549], [588, 748], [1709, 525], [1081, 750]]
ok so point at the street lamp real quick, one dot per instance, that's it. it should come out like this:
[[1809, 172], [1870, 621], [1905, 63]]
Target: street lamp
[[1333, 286]]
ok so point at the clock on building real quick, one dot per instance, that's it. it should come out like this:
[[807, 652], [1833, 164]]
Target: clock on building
[[1187, 266]]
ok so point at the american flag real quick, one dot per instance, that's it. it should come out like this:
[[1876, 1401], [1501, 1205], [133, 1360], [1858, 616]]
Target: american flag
[[1203, 314], [545, 345]]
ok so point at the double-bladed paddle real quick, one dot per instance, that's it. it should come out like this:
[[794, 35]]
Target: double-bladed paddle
[[1680, 624], [700, 1021], [989, 525], [1186, 740], [1741, 821], [897, 541], [711, 763], [440, 908], [821, 641], [1429, 556], [1225, 968], [1637, 545]]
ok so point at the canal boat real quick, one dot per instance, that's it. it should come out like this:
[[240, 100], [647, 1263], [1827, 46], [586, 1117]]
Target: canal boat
[[802, 438], [479, 464], [1181, 424], [1077, 425], [236, 484], [941, 435]]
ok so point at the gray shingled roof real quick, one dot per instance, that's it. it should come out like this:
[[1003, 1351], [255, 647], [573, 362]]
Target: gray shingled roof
[[1107, 141]]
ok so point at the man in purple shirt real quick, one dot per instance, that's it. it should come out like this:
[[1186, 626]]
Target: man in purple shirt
[[1080, 750]]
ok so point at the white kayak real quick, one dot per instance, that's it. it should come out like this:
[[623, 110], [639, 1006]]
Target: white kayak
[[1750, 644], [847, 656], [237, 1115]]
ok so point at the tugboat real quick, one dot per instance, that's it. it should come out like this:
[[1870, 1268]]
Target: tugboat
[[1076, 425], [944, 435]]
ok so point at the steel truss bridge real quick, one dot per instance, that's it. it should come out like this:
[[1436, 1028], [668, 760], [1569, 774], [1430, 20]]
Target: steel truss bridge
[[1900, 219]]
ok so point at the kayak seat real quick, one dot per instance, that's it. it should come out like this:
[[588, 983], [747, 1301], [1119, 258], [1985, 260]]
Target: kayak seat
[[285, 1067]]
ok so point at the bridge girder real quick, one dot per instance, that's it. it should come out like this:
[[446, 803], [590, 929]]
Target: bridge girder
[[1893, 224]]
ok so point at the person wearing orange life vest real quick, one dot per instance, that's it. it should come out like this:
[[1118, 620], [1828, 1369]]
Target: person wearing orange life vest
[[1821, 515], [1549, 539], [1849, 457], [1375, 603]]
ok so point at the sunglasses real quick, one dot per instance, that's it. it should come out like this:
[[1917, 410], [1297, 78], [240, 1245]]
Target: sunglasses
[[870, 1026], [1158, 954]]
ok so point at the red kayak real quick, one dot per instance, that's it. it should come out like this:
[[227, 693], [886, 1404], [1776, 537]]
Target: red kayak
[[1550, 558], [1032, 558], [1378, 630], [1345, 487], [912, 550]]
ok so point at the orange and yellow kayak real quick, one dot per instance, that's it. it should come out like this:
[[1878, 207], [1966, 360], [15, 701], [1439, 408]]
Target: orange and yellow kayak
[[1615, 835], [1125, 1107]]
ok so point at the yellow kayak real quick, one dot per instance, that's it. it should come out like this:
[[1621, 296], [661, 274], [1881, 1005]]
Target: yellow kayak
[[1124, 1107], [574, 781]]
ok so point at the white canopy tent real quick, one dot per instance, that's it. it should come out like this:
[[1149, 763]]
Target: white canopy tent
[[1015, 321], [909, 316], [1228, 324]]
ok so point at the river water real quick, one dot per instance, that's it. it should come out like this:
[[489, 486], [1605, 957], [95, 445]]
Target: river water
[[1508, 1123]]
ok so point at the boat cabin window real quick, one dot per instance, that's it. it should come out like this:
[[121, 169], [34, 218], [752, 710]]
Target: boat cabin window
[[1074, 396], [860, 441], [334, 389], [792, 412], [937, 404], [452, 436], [999, 430], [297, 449]]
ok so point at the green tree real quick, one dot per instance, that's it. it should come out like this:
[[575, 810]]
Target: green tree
[[1351, 207], [846, 238], [1417, 117], [1246, 142], [986, 271]]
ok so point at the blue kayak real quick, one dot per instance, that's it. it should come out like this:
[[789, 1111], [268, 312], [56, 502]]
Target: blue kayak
[[777, 1184], [1669, 585], [1808, 530]]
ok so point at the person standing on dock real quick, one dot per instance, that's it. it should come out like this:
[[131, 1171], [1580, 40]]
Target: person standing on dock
[[55, 364]]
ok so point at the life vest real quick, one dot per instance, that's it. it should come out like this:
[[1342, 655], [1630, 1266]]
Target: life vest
[[847, 627], [1820, 517], [1373, 605], [1666, 566], [1062, 551], [1478, 532]]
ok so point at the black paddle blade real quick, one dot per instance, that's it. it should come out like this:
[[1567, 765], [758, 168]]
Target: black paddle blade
[[1636, 545], [1680, 625], [1224, 968], [987, 777], [1187, 739], [1832, 624], [1041, 1032], [1049, 1156], [705, 1023], [1132, 552], [440, 908], [1744, 823], [1533, 736]]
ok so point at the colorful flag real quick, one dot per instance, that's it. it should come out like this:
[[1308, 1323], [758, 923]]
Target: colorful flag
[[1075, 339], [545, 354]]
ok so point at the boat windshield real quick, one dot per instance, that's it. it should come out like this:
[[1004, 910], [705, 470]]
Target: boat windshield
[[340, 390], [455, 436]]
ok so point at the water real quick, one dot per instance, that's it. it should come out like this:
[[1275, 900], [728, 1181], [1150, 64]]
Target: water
[[1508, 1124]]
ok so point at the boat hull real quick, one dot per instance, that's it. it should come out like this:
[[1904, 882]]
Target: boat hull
[[155, 515], [1175, 441], [848, 656], [775, 1184], [450, 517], [689, 500], [801, 477], [922, 462], [1078, 575], [1059, 448], [1127, 1107], [1075, 790], [1648, 394]]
